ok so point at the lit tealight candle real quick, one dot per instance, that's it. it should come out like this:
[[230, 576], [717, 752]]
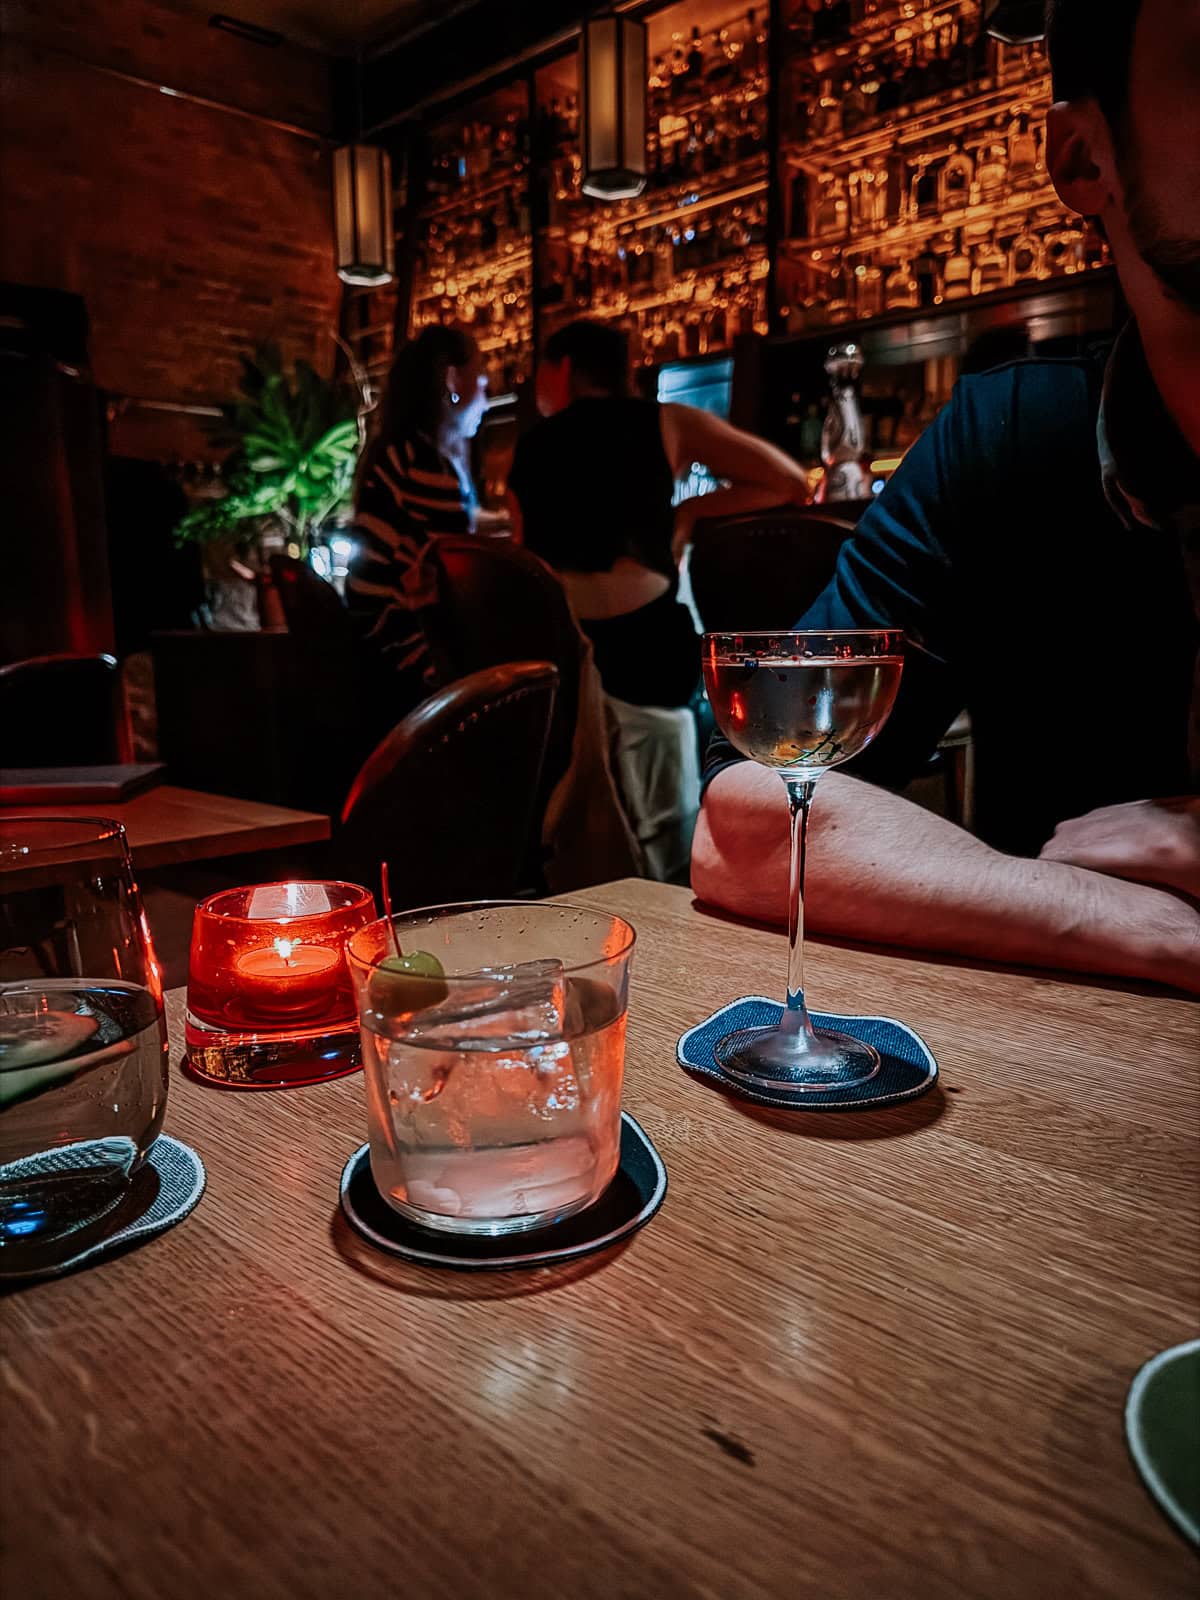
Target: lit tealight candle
[[287, 975]]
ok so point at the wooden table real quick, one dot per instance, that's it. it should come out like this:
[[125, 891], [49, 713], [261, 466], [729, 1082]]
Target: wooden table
[[877, 1355], [167, 826]]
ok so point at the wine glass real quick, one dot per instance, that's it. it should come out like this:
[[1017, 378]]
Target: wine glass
[[800, 703]]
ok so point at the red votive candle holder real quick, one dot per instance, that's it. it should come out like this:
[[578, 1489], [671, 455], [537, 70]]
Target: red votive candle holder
[[269, 1000]]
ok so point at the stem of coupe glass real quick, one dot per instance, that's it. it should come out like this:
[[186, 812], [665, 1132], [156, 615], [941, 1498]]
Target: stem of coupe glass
[[799, 791]]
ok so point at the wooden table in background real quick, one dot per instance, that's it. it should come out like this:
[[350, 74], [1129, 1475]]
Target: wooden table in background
[[168, 826], [875, 1354]]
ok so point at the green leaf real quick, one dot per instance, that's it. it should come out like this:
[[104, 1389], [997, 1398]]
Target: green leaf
[[293, 443]]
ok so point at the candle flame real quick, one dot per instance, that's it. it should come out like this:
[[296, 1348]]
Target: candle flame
[[284, 948]]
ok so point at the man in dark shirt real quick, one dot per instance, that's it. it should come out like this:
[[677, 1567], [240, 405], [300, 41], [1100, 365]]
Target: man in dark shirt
[[1041, 548]]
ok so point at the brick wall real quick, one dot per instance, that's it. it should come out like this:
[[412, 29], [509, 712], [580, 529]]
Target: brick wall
[[191, 232]]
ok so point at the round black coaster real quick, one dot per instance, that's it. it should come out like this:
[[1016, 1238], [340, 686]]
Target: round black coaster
[[629, 1202]]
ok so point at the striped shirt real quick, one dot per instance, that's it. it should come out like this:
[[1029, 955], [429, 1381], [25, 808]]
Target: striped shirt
[[410, 495]]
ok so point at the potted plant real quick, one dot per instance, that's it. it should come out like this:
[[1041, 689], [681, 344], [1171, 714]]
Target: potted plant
[[294, 441]]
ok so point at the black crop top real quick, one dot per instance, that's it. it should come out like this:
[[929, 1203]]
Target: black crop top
[[594, 484]]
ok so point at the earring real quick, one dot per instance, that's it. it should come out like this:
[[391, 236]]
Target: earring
[[453, 398]]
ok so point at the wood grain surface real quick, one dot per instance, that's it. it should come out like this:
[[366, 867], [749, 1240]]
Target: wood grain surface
[[167, 825], [872, 1354]]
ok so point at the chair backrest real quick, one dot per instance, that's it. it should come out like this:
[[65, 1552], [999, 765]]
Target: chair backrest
[[63, 711], [350, 693], [497, 603], [763, 569], [450, 798], [840, 510], [311, 606]]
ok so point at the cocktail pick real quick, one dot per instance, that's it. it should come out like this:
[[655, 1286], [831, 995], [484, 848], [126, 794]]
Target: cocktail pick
[[387, 908]]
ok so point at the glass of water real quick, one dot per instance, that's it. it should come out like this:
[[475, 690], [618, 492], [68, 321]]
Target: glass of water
[[493, 1051], [83, 1041]]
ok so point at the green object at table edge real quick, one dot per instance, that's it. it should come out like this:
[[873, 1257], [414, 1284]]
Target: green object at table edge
[[1162, 1426]]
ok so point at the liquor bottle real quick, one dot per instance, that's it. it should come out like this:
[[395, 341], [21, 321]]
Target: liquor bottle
[[1094, 254], [832, 206], [671, 331], [875, 196], [679, 74], [981, 72], [897, 189], [798, 225], [1026, 255], [854, 102], [711, 151], [556, 126], [956, 275], [887, 96], [754, 53], [802, 25], [991, 168], [869, 280], [955, 180], [958, 62], [707, 241], [925, 270], [839, 19], [857, 186], [843, 437], [749, 134], [695, 60], [943, 246], [900, 289], [991, 266], [1022, 153], [870, 78], [912, 79], [838, 307], [722, 63], [1063, 251], [829, 111], [935, 62], [554, 286], [663, 261], [924, 189]]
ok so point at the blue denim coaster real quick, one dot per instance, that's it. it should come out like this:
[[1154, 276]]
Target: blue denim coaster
[[908, 1067], [170, 1182]]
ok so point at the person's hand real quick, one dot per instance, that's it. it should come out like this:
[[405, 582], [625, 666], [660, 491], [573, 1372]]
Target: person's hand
[[1159, 931], [1147, 841]]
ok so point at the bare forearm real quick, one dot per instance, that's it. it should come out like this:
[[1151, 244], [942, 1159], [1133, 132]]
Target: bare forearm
[[742, 458], [739, 497], [884, 870]]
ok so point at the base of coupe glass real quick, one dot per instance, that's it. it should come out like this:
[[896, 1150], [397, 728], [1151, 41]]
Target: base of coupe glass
[[792, 1062]]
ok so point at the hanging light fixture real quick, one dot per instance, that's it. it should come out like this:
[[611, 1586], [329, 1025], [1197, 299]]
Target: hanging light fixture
[[612, 80], [362, 214]]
